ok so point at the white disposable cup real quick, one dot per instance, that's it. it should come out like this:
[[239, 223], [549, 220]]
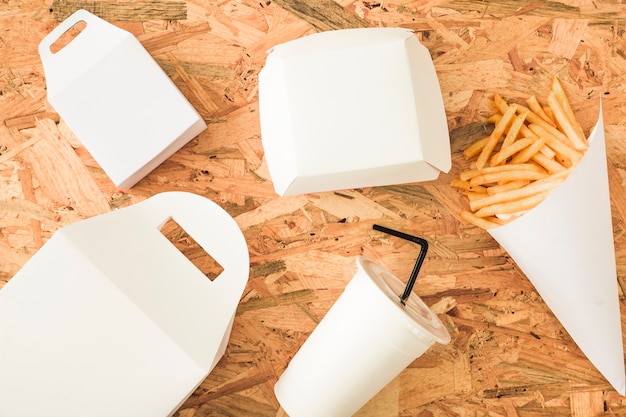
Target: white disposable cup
[[365, 340]]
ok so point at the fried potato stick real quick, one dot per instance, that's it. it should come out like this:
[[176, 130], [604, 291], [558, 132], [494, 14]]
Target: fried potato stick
[[564, 104], [466, 186], [528, 152], [568, 126], [549, 164], [526, 132], [508, 151], [507, 186], [536, 187], [482, 222], [514, 129], [512, 207], [500, 103], [495, 136], [534, 105], [474, 149], [513, 175], [557, 145], [470, 173], [536, 120]]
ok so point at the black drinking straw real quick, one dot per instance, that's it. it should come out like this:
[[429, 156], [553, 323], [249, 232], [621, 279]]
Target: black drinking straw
[[420, 258]]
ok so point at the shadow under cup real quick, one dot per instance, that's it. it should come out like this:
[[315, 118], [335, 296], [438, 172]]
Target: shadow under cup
[[365, 340]]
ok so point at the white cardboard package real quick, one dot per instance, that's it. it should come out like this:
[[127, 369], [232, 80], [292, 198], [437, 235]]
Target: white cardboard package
[[109, 318], [352, 108], [116, 99]]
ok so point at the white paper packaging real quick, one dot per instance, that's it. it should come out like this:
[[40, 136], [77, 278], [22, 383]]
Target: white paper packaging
[[565, 248], [108, 318], [365, 340], [352, 108], [117, 100]]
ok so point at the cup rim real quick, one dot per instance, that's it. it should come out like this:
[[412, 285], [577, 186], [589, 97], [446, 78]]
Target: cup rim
[[414, 309]]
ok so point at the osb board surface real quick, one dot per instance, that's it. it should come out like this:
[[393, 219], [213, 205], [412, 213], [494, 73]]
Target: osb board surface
[[509, 356]]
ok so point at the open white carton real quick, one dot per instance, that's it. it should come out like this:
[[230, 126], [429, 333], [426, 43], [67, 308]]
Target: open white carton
[[352, 108], [119, 103], [109, 318], [565, 247]]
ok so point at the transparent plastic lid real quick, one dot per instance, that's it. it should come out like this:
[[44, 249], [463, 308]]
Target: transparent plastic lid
[[414, 307]]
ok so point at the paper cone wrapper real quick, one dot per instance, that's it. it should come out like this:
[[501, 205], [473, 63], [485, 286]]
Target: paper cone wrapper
[[565, 248]]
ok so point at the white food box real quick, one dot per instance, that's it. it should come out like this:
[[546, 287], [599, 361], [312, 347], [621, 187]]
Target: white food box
[[352, 108], [116, 99], [109, 318]]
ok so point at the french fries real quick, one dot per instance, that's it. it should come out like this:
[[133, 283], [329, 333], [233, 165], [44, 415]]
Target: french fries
[[530, 152]]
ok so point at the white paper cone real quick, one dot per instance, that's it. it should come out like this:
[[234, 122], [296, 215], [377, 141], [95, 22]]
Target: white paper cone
[[565, 248]]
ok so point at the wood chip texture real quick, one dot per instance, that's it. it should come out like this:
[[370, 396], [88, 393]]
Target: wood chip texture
[[509, 356]]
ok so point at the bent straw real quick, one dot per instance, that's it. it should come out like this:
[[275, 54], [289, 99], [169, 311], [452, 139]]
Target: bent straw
[[420, 258]]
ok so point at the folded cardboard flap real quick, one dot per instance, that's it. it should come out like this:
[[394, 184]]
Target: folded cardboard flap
[[352, 108], [109, 313], [120, 104], [565, 247]]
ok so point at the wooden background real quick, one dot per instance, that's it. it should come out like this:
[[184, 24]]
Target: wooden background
[[509, 356]]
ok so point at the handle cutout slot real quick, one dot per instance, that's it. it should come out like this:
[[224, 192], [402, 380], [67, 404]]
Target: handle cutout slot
[[191, 249], [68, 36]]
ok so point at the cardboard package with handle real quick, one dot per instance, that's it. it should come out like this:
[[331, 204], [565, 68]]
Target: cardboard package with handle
[[109, 318], [116, 99]]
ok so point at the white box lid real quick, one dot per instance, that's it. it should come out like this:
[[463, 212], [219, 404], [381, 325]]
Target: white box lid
[[352, 108]]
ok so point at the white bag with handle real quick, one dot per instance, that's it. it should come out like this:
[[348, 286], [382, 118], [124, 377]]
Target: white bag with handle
[[108, 318], [116, 99]]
